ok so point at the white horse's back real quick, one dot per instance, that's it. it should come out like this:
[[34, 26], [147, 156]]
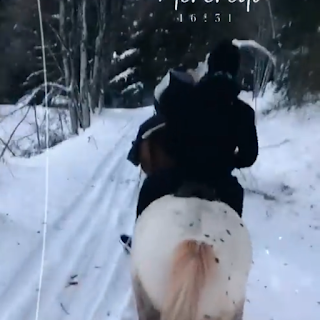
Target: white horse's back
[[166, 224]]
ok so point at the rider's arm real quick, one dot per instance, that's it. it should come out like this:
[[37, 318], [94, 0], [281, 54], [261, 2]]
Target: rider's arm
[[247, 137]]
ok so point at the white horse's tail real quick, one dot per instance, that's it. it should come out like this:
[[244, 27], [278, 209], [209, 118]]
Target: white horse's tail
[[192, 262]]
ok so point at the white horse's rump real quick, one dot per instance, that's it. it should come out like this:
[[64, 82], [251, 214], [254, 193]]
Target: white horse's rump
[[190, 260]]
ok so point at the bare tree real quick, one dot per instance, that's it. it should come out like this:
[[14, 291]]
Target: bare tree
[[84, 101], [66, 64], [96, 72], [109, 15]]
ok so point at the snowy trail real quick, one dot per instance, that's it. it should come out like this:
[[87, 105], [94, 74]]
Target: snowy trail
[[92, 198], [79, 243]]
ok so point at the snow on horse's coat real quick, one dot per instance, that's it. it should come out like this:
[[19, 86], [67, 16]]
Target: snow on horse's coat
[[190, 260]]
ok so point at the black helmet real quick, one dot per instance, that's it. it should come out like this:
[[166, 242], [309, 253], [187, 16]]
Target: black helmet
[[225, 57]]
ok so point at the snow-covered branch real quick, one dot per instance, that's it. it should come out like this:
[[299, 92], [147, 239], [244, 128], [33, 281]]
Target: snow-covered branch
[[25, 101], [123, 75]]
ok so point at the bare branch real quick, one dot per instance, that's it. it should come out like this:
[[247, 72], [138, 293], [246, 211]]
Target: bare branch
[[13, 132], [37, 127], [59, 37], [7, 146]]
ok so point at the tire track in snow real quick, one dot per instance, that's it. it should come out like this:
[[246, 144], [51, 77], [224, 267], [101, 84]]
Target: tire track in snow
[[78, 251], [117, 278], [77, 202], [108, 253], [22, 288]]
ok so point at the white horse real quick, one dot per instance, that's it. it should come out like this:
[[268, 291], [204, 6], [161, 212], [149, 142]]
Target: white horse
[[190, 261]]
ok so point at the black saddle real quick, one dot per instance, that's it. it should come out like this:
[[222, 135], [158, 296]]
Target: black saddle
[[196, 190]]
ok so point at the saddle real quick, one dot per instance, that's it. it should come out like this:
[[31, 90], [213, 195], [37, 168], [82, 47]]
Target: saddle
[[192, 189]]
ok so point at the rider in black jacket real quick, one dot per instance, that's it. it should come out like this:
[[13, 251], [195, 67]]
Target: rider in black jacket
[[224, 139]]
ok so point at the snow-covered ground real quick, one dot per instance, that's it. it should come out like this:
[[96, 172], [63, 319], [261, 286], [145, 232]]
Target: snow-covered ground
[[92, 197]]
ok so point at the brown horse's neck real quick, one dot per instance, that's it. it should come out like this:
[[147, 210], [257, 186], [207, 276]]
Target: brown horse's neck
[[159, 159]]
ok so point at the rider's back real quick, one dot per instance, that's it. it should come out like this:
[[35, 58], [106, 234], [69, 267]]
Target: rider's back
[[206, 121], [212, 142]]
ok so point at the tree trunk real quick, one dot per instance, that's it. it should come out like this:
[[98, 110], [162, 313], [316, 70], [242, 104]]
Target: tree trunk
[[62, 31], [84, 68], [95, 83], [109, 13], [66, 68]]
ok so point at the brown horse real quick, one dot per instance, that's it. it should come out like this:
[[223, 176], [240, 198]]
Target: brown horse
[[190, 261]]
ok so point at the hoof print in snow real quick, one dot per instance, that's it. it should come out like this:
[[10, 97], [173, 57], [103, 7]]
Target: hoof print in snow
[[287, 190]]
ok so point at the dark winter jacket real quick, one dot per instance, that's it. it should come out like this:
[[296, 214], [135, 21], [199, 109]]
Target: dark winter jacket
[[247, 139], [233, 118], [206, 121], [179, 73], [220, 124]]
